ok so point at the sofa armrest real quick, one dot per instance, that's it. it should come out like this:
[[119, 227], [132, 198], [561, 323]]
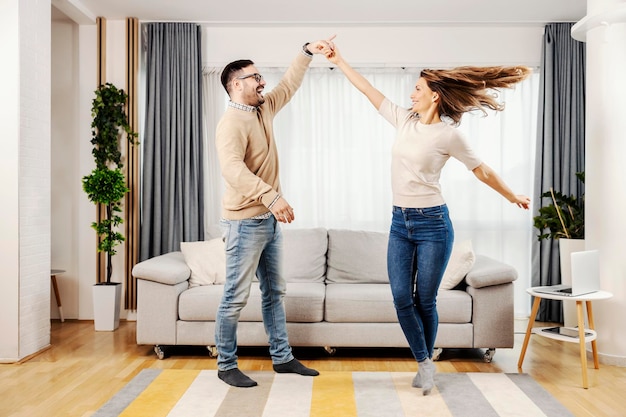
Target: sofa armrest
[[160, 281], [487, 271], [169, 269], [492, 316], [157, 312]]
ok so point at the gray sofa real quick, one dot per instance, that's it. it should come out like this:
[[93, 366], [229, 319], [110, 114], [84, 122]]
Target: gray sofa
[[338, 295]]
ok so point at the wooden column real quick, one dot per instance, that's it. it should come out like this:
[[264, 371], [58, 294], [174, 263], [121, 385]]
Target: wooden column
[[132, 163], [101, 79]]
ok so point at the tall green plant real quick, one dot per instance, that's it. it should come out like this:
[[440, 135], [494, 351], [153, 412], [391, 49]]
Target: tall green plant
[[564, 218], [106, 184]]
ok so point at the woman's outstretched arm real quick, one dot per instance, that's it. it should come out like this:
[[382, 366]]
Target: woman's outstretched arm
[[361, 83], [487, 175]]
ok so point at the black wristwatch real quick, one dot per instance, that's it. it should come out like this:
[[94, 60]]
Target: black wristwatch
[[305, 50]]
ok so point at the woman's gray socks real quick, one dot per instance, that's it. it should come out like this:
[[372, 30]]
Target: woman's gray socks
[[417, 380], [425, 375]]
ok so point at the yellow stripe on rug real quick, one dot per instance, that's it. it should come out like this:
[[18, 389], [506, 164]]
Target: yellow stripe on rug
[[161, 395], [333, 395]]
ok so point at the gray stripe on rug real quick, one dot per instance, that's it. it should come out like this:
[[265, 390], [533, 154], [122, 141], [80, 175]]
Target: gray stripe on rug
[[462, 397], [128, 394], [375, 397], [544, 400], [248, 402]]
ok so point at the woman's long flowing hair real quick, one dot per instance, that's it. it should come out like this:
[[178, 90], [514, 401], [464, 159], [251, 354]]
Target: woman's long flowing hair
[[465, 89]]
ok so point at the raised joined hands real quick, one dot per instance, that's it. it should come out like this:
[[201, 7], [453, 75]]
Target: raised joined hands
[[324, 47]]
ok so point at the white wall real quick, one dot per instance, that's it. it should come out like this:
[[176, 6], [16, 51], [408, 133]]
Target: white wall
[[85, 237], [25, 161], [64, 169], [420, 46], [605, 178], [9, 233], [34, 175]]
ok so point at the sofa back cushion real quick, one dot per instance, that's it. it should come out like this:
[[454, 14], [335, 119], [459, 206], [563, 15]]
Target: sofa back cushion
[[357, 257], [207, 261], [460, 263], [304, 254]]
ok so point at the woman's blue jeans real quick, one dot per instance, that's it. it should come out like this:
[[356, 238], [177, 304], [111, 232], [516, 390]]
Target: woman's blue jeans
[[420, 243], [252, 247]]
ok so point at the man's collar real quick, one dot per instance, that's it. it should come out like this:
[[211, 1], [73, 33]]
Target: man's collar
[[240, 106]]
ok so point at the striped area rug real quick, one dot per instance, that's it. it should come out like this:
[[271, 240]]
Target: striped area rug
[[194, 393]]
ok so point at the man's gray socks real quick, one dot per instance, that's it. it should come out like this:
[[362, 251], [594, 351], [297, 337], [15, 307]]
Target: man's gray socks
[[236, 378], [295, 367]]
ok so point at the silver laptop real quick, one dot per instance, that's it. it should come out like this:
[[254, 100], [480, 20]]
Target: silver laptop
[[585, 276]]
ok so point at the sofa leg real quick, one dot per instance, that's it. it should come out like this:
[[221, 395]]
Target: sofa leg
[[437, 353], [162, 352], [212, 351], [489, 353], [330, 350]]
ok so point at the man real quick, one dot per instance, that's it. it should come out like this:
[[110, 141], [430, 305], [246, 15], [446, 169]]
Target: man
[[251, 209]]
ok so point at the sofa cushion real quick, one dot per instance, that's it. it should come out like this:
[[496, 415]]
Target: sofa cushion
[[207, 261], [373, 303], [461, 261], [304, 303], [362, 303], [454, 306], [304, 254], [357, 257], [200, 303]]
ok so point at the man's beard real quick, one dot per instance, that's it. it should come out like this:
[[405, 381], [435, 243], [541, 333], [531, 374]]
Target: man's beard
[[260, 98]]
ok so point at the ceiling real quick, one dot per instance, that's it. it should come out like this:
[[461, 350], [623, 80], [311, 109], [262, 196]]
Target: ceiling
[[329, 12]]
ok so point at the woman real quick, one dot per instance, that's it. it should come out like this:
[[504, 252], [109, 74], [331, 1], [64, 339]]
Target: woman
[[421, 234]]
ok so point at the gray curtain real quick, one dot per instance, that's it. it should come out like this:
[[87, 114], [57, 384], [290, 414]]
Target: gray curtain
[[172, 207], [560, 144]]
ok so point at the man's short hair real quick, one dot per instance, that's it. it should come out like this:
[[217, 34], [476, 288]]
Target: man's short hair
[[231, 70]]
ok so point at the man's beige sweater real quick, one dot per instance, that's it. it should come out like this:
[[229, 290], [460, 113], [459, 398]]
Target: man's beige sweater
[[247, 151]]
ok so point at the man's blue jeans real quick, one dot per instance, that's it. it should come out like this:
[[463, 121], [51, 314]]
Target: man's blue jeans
[[252, 247], [420, 243]]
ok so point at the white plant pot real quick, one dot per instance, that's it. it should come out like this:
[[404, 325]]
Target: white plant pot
[[106, 306], [566, 247]]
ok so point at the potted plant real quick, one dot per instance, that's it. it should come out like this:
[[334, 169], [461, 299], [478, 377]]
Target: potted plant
[[106, 185], [564, 220]]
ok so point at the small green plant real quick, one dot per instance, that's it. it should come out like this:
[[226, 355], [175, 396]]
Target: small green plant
[[106, 184], [564, 218]]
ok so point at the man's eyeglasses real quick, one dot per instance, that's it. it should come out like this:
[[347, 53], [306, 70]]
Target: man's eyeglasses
[[257, 77]]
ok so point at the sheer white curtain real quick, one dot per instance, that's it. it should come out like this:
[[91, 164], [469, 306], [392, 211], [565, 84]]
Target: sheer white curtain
[[335, 161], [214, 101]]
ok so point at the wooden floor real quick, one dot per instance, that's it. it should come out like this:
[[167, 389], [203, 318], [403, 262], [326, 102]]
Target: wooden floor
[[83, 369]]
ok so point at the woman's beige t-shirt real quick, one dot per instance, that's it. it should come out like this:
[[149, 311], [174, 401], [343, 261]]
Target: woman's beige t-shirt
[[418, 155]]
